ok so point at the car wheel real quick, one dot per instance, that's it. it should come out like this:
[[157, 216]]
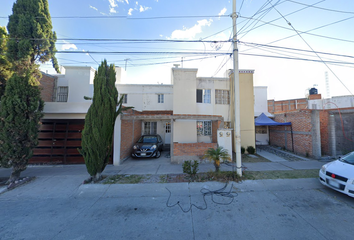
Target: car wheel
[[158, 154]]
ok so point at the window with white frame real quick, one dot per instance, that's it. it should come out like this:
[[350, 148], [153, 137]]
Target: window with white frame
[[160, 98], [222, 96], [63, 94], [125, 98], [150, 127], [203, 96], [204, 128]]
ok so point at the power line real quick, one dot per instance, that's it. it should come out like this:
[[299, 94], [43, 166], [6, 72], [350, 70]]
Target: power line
[[326, 9], [131, 18], [312, 50]]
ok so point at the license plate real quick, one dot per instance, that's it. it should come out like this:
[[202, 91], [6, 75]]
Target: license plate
[[143, 154], [333, 183]]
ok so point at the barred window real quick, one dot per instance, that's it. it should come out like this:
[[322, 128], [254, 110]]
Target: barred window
[[63, 94], [222, 96], [150, 127], [204, 128]]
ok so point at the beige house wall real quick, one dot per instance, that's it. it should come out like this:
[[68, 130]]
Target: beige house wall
[[246, 108]]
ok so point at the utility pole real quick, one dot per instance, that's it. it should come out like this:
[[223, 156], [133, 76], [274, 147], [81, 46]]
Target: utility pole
[[126, 60], [237, 125]]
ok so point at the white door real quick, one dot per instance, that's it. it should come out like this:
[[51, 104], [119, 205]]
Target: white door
[[167, 132]]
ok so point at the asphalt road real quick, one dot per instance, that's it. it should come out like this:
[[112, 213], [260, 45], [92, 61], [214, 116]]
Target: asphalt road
[[59, 207]]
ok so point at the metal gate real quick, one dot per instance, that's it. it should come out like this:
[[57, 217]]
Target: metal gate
[[58, 142]]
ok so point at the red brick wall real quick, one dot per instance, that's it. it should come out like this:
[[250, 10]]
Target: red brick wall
[[301, 124], [47, 84], [286, 105], [191, 149], [130, 133]]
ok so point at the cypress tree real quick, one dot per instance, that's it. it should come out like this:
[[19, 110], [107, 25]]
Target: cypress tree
[[5, 66], [31, 37], [97, 136], [20, 114]]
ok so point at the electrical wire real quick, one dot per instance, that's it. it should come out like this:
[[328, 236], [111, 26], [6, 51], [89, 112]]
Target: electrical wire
[[206, 192], [326, 9], [130, 18], [312, 50]]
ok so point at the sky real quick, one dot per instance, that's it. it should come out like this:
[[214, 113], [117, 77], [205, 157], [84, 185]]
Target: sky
[[293, 45]]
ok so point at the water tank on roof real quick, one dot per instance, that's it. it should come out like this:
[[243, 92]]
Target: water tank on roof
[[313, 91]]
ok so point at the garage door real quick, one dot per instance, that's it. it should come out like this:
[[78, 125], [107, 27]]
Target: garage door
[[58, 142]]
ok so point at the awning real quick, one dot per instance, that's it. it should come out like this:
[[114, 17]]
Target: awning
[[263, 120]]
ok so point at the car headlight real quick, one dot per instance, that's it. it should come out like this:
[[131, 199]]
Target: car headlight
[[153, 147], [135, 147], [323, 169]]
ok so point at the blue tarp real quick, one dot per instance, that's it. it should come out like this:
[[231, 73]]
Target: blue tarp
[[263, 120]]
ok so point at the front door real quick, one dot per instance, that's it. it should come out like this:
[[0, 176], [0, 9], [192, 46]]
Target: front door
[[167, 132]]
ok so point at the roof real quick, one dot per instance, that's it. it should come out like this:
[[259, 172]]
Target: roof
[[263, 120]]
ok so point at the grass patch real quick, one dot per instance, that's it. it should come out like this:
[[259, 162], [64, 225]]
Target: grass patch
[[222, 176], [254, 158], [124, 179], [285, 174]]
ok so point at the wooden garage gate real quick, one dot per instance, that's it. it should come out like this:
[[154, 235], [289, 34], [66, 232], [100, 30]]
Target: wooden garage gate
[[58, 142]]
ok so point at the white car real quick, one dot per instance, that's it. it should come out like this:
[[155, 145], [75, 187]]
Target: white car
[[339, 174]]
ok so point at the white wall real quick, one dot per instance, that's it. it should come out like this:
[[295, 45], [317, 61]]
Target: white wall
[[144, 97], [184, 90], [332, 103], [261, 101], [79, 81]]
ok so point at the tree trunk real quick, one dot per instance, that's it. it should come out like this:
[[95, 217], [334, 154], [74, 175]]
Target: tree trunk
[[217, 165], [15, 175]]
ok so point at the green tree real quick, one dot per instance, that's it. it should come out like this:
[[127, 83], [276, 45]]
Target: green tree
[[20, 114], [216, 155], [5, 66], [31, 38], [97, 136]]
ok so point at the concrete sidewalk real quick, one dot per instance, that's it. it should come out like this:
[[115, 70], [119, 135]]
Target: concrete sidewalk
[[163, 166]]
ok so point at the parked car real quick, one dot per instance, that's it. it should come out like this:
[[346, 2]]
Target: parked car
[[339, 174], [148, 146]]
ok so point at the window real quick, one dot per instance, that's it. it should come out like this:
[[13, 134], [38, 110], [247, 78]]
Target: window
[[203, 96], [125, 98], [168, 127], [63, 94], [261, 129], [204, 128], [222, 97], [150, 127], [160, 98]]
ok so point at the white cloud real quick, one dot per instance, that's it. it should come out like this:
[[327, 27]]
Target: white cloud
[[222, 12], [112, 10], [143, 8], [113, 3], [94, 8], [68, 46], [130, 11], [127, 1], [190, 33]]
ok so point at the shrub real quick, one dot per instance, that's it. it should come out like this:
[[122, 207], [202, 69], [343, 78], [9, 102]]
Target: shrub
[[190, 168], [251, 150], [243, 150]]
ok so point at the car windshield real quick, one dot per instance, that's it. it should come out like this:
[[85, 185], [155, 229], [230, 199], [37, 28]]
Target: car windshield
[[148, 139], [349, 158]]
